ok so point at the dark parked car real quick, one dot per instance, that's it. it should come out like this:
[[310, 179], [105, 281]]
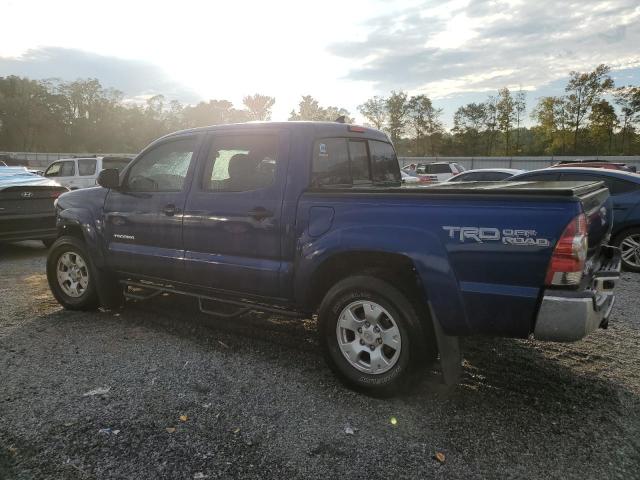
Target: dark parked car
[[595, 164], [26, 205], [485, 175], [624, 188]]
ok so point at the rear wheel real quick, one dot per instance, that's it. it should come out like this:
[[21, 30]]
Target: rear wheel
[[71, 275], [629, 244], [371, 335]]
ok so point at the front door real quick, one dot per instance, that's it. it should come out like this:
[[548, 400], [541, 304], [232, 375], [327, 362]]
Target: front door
[[143, 218], [232, 226]]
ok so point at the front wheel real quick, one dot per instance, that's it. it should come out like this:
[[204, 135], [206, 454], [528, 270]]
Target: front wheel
[[629, 244], [371, 334], [71, 276]]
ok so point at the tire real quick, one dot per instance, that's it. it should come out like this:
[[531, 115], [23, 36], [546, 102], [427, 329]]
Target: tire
[[75, 288], [48, 242], [381, 365], [625, 241]]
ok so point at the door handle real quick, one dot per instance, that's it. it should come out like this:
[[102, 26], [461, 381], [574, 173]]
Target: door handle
[[170, 210], [260, 213]]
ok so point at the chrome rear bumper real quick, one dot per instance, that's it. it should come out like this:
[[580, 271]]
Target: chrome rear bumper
[[567, 316]]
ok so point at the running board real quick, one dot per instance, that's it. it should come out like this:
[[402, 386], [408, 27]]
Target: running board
[[243, 306]]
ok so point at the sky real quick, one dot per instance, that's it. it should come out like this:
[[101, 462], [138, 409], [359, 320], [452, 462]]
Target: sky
[[341, 52]]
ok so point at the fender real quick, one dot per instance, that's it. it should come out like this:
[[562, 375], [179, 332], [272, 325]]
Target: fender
[[82, 210], [423, 248]]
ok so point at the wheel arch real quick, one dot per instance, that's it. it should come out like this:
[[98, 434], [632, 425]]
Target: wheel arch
[[79, 223], [414, 256]]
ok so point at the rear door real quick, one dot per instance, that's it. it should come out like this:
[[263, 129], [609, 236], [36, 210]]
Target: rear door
[[87, 172], [143, 218], [233, 225]]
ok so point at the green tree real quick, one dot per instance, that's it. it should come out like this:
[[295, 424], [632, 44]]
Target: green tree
[[520, 104], [602, 123], [375, 111], [468, 124], [397, 110], [584, 90], [628, 99], [259, 106], [505, 116], [310, 109], [425, 122]]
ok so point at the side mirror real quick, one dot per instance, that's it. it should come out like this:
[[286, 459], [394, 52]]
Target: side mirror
[[109, 178]]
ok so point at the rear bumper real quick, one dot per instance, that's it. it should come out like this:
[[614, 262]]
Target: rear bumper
[[567, 316]]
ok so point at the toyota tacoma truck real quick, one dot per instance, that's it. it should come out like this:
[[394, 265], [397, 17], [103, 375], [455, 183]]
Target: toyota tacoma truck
[[311, 218]]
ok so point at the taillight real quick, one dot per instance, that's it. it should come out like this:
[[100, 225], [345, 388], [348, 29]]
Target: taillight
[[569, 255]]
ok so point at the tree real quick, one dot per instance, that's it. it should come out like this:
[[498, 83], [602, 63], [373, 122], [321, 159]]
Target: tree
[[551, 116], [583, 90], [628, 99], [259, 106], [602, 123], [375, 110], [505, 116], [520, 103], [490, 121], [468, 123], [397, 109], [213, 112], [424, 119], [310, 109]]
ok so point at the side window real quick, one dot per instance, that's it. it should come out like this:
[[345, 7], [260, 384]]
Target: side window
[[53, 170], [438, 168], [87, 167], [331, 162], [359, 157], [538, 177], [239, 163], [164, 168], [68, 169], [470, 177], [384, 162]]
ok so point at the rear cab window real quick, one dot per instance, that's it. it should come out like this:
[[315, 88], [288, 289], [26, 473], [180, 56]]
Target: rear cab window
[[348, 162]]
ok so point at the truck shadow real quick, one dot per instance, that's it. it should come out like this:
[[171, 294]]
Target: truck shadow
[[534, 372]]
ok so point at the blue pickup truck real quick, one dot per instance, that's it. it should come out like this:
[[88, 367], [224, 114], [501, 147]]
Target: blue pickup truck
[[304, 218]]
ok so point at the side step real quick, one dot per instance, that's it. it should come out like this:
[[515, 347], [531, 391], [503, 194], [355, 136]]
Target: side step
[[243, 306]]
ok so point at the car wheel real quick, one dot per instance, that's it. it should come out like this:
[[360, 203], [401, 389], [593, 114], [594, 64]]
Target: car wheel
[[71, 275], [371, 336], [629, 244]]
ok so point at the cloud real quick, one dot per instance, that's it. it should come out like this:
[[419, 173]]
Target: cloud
[[134, 78], [454, 47]]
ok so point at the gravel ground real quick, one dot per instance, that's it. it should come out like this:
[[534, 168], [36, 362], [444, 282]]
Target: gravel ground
[[259, 402]]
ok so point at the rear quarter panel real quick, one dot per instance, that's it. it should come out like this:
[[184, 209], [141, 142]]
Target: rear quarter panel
[[474, 286]]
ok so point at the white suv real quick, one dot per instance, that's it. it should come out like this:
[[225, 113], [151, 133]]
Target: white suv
[[77, 173], [443, 170]]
